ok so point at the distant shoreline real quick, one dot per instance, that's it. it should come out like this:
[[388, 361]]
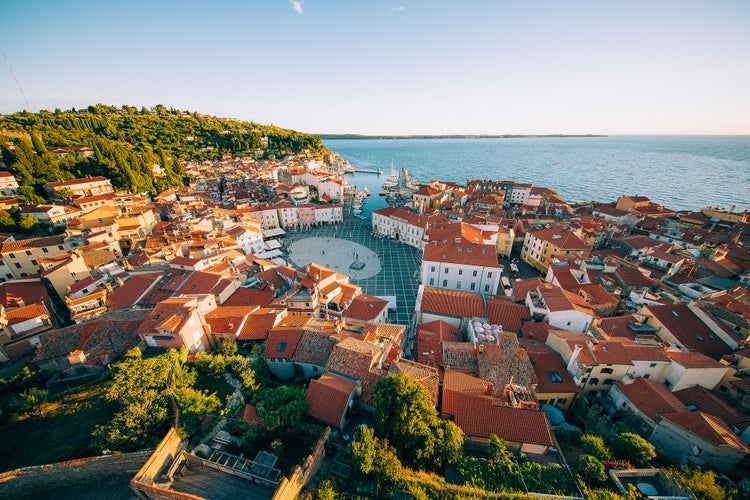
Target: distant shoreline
[[454, 136]]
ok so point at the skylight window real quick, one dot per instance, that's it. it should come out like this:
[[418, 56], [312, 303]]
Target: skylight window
[[282, 347], [555, 377]]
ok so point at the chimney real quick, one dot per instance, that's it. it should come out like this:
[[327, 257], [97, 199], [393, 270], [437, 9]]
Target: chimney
[[489, 389], [574, 357]]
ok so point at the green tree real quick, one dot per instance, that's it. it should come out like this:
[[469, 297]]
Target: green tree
[[404, 414], [591, 470], [632, 447], [35, 397], [363, 451], [29, 223], [595, 445], [325, 490], [498, 450], [703, 483]]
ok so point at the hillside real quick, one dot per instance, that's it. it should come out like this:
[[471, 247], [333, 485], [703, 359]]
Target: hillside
[[125, 144]]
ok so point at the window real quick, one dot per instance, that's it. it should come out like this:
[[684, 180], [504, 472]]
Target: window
[[44, 249], [446, 270], [445, 283], [486, 288], [432, 269], [648, 375], [562, 401], [594, 381], [458, 285], [12, 256], [281, 347], [489, 275], [34, 262], [555, 377], [473, 286], [607, 370], [18, 266], [28, 252], [609, 381], [652, 365], [460, 272], [432, 281], [60, 247], [473, 274]]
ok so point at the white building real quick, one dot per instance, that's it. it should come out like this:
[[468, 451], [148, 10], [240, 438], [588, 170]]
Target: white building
[[461, 265]]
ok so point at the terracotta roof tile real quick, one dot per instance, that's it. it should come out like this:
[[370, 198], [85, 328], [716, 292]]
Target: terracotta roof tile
[[708, 427], [365, 307], [651, 398], [452, 303], [479, 415], [507, 314], [328, 397], [460, 356], [427, 376], [690, 359], [281, 344], [314, 348], [259, 324]]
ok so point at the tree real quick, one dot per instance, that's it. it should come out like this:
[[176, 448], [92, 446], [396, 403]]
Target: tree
[[703, 483], [498, 450], [632, 447], [404, 414], [28, 223], [595, 445], [591, 470], [363, 451], [325, 490]]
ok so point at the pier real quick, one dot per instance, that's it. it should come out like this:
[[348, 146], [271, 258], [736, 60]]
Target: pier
[[368, 171]]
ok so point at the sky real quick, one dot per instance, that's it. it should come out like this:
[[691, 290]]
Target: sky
[[392, 67]]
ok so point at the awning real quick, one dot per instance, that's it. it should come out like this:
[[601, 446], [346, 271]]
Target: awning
[[272, 233], [273, 244]]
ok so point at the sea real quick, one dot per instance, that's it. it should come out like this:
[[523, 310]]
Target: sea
[[678, 172]]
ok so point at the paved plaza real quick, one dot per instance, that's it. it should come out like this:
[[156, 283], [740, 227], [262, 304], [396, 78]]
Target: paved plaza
[[391, 268]]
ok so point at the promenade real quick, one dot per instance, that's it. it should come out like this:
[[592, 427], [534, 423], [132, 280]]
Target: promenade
[[390, 268]]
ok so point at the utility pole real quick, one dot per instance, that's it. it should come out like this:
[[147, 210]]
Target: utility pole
[[20, 89]]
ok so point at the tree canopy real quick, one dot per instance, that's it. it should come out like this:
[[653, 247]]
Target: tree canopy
[[405, 415], [127, 144]]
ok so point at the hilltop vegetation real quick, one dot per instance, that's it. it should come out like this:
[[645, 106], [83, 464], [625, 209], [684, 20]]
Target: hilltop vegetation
[[127, 144]]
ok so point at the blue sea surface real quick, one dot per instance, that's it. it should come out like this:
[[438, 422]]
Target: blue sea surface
[[679, 172]]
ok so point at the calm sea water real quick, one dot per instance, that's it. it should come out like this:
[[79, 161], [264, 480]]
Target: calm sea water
[[679, 172]]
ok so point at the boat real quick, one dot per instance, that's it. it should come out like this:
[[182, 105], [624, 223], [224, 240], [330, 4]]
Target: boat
[[391, 182]]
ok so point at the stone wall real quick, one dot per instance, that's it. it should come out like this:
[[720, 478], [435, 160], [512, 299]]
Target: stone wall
[[83, 478], [145, 481]]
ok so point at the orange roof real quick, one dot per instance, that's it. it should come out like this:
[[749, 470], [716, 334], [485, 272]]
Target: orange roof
[[559, 237], [461, 251], [328, 397], [651, 398], [708, 427], [365, 307], [452, 303], [259, 324], [282, 343], [691, 359], [25, 313], [509, 315], [479, 415]]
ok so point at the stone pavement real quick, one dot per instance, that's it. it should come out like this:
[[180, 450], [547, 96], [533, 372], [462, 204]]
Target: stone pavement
[[391, 268]]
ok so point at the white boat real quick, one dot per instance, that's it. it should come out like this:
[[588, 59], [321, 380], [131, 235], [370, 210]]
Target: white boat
[[391, 182]]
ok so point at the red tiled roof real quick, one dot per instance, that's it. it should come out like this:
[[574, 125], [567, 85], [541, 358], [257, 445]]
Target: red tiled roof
[[259, 324], [15, 292], [460, 356], [452, 303], [507, 314], [228, 319], [427, 376], [690, 359], [127, 294], [461, 252], [689, 330], [560, 238], [26, 313], [548, 364], [250, 415], [708, 402], [31, 243], [328, 397], [314, 347], [651, 398], [708, 427], [262, 297], [504, 363], [478, 415], [365, 307], [535, 330], [281, 344]]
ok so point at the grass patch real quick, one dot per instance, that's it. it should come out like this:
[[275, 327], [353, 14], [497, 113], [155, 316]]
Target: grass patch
[[54, 432], [212, 383]]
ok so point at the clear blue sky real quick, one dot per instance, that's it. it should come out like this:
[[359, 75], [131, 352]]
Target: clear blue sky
[[393, 67]]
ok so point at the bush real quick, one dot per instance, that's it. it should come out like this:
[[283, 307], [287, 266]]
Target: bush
[[632, 447], [591, 470], [595, 445]]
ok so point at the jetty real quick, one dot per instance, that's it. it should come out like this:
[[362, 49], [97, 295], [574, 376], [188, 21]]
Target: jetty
[[368, 171]]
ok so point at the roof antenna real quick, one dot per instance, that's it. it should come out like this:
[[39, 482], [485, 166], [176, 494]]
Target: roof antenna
[[13, 74]]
